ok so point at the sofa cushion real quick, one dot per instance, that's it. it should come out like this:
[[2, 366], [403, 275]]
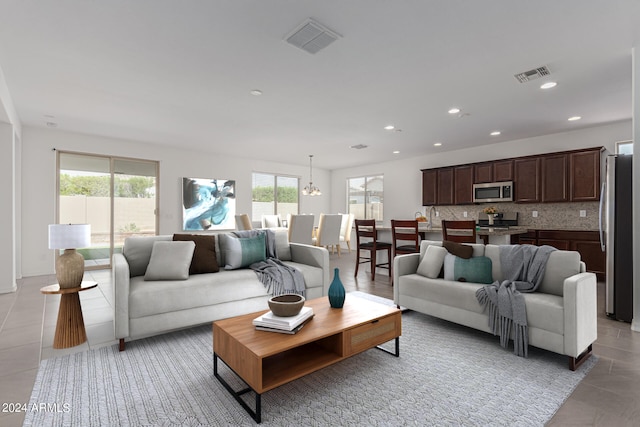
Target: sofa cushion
[[240, 252], [432, 262], [475, 269], [458, 249], [204, 256], [560, 265], [170, 261], [137, 251], [283, 250]]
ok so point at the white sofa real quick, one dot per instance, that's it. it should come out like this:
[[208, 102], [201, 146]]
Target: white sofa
[[561, 314], [148, 307]]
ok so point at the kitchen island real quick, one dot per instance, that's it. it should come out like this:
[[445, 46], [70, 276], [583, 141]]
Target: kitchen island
[[499, 235]]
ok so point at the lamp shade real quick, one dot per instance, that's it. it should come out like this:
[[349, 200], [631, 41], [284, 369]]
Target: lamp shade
[[69, 236]]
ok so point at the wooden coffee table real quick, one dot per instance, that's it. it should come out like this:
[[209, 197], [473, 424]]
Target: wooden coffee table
[[266, 360]]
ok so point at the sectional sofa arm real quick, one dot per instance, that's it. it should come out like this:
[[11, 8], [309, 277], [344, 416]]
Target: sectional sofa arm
[[315, 256], [580, 312], [120, 277], [403, 265]]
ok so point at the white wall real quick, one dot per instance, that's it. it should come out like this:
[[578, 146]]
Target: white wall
[[7, 210], [39, 193], [403, 178]]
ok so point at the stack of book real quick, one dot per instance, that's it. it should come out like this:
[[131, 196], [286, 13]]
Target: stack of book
[[284, 325]]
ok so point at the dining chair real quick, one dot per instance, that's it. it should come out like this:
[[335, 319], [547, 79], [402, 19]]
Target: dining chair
[[459, 231], [301, 229], [243, 222], [271, 221], [329, 232], [404, 231], [345, 230], [367, 240]]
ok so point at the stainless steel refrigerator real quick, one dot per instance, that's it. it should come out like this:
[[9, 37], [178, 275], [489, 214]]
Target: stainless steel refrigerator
[[616, 237]]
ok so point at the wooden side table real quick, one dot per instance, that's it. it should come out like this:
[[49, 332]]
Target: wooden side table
[[70, 330]]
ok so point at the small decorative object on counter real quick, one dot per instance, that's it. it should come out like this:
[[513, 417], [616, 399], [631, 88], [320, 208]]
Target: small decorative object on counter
[[420, 217], [491, 212], [336, 291]]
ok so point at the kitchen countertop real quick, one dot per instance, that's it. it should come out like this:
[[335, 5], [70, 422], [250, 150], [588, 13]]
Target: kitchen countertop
[[496, 231]]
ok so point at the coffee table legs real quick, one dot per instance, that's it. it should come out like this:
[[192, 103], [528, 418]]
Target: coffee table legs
[[257, 414], [395, 353]]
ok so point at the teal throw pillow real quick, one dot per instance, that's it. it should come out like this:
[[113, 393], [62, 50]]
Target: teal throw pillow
[[240, 252], [474, 270]]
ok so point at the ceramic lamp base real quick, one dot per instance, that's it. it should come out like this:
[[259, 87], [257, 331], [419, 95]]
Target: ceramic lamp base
[[70, 269]]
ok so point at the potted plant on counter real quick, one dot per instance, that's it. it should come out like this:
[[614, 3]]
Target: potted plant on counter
[[491, 213]]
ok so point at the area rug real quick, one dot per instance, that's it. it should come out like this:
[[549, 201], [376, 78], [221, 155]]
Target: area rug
[[446, 375]]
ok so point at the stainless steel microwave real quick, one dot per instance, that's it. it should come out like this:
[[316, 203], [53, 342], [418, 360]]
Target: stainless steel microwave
[[493, 192]]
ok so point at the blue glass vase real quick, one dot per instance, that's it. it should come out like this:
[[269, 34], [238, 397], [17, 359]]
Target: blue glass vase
[[336, 291]]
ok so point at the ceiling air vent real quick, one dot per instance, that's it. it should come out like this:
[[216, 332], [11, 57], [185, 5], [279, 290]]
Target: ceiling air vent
[[358, 147], [311, 36], [532, 74]]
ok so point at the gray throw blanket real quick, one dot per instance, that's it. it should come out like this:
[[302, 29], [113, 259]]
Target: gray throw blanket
[[276, 276], [523, 268]]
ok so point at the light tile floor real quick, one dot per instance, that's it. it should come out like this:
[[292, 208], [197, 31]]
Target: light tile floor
[[609, 395]]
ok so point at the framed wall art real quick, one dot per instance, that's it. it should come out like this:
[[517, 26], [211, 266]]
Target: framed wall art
[[208, 204]]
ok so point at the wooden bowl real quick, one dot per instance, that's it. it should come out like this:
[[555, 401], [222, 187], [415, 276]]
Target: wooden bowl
[[286, 305]]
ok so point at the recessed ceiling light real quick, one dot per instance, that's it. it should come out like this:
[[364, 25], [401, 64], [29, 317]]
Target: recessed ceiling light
[[396, 152], [574, 118], [255, 92], [454, 110], [495, 133], [389, 127], [437, 144], [548, 85]]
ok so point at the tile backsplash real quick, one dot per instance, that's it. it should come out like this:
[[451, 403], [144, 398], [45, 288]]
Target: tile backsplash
[[550, 216]]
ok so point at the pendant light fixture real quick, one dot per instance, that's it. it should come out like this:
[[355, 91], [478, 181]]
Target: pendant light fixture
[[311, 190]]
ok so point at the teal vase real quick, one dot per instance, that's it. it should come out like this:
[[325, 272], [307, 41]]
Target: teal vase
[[336, 291]]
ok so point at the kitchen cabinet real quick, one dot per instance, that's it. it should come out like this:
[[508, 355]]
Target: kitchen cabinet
[[554, 178], [526, 179], [584, 176], [568, 176], [445, 189], [587, 243], [429, 187], [483, 172], [503, 170], [463, 184]]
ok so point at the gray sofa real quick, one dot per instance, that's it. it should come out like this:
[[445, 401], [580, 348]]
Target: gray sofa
[[148, 307], [561, 315]]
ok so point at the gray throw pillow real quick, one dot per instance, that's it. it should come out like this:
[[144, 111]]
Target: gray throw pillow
[[170, 261], [432, 261]]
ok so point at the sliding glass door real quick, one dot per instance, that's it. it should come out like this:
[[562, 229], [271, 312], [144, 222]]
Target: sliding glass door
[[116, 196]]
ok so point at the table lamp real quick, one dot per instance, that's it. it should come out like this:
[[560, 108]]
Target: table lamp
[[69, 265]]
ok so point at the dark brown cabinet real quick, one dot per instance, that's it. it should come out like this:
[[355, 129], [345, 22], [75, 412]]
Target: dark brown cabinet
[[568, 176], [483, 172], [554, 177], [584, 176], [527, 179], [587, 243], [445, 189], [503, 170], [429, 187], [463, 182]]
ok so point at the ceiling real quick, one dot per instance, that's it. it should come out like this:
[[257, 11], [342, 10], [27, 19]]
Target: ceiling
[[180, 73]]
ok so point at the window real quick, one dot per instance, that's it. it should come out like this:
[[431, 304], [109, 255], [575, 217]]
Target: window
[[116, 196], [366, 197], [624, 147], [273, 194]]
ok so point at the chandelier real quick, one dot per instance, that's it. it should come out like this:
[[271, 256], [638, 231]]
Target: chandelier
[[311, 190]]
